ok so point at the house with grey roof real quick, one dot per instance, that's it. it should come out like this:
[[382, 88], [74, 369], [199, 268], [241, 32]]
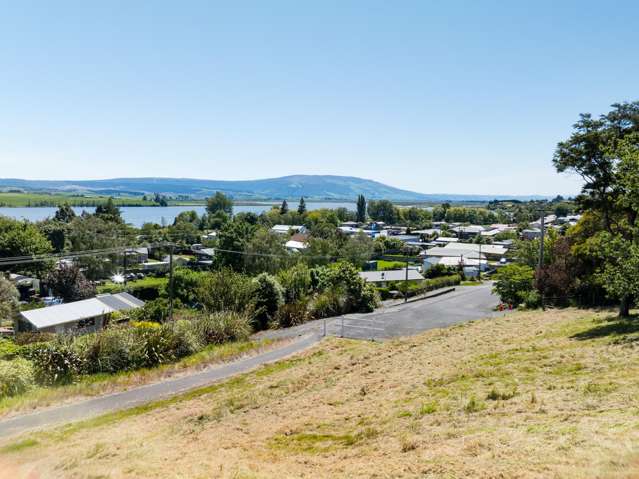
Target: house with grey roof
[[79, 317], [381, 278]]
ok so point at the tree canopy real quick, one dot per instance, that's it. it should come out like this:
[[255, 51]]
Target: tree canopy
[[219, 202]]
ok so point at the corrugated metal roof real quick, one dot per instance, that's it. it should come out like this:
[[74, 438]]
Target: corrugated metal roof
[[454, 261], [87, 308], [454, 253], [391, 275], [120, 301], [485, 248]]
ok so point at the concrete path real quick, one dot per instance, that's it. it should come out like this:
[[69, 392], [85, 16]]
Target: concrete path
[[144, 394]]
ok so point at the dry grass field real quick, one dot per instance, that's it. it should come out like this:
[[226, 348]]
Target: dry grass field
[[534, 394]]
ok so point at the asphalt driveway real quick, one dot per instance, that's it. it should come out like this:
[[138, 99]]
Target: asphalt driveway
[[398, 319]]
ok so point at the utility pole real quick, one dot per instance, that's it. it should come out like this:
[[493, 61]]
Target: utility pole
[[171, 283], [479, 261], [541, 258], [406, 283], [124, 263]]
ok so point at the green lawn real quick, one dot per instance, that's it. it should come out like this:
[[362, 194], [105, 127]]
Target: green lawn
[[384, 265], [146, 283], [46, 199]]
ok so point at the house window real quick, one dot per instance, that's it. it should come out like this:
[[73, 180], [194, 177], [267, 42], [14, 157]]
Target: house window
[[85, 323]]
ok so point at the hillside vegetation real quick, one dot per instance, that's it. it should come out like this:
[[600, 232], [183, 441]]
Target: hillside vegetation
[[527, 395], [58, 199]]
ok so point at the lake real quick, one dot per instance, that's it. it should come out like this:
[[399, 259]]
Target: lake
[[138, 215]]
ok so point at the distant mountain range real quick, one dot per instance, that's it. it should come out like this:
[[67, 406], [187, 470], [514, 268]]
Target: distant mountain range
[[315, 187]]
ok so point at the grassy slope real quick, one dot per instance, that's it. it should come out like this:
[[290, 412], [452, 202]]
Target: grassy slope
[[529, 395], [101, 384]]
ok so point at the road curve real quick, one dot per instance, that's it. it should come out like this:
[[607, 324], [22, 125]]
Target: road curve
[[144, 394], [463, 304]]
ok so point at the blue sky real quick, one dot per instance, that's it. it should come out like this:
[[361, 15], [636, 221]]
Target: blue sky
[[433, 96]]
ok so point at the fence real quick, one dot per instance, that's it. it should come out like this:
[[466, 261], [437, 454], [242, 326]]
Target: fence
[[356, 327]]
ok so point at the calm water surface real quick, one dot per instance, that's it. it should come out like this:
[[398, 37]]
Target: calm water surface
[[138, 215]]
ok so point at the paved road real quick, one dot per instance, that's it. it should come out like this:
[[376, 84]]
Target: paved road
[[148, 393], [463, 304]]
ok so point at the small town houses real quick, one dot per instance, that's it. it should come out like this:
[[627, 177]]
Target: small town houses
[[84, 316], [470, 247]]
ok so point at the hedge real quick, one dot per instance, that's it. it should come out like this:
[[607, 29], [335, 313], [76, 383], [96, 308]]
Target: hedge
[[421, 287]]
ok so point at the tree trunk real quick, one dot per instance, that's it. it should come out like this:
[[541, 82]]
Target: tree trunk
[[624, 307]]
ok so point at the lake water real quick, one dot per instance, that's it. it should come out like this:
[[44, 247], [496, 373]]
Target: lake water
[[138, 215]]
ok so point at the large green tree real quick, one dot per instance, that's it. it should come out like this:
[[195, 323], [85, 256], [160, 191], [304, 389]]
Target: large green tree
[[301, 208], [21, 238], [219, 202], [361, 209], [69, 283], [593, 152], [604, 151], [64, 214], [382, 210], [109, 212], [265, 252], [233, 239]]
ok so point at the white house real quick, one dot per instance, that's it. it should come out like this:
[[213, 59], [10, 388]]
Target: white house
[[286, 229], [382, 277], [298, 242], [489, 250], [88, 315]]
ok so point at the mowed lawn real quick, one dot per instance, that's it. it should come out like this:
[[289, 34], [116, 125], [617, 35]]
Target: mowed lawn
[[532, 394]]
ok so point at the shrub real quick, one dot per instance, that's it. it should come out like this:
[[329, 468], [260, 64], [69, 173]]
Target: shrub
[[56, 362], [296, 282], [514, 282], [369, 299], [185, 339], [185, 285], [384, 293], [220, 327], [108, 351], [438, 270], [153, 345], [30, 337], [343, 278], [16, 377], [144, 344], [226, 290], [269, 296], [8, 349], [156, 310], [148, 289], [292, 314], [328, 303], [413, 288], [532, 300]]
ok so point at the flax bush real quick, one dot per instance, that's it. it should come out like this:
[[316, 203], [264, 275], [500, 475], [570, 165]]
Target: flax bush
[[16, 377], [217, 328], [56, 362]]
